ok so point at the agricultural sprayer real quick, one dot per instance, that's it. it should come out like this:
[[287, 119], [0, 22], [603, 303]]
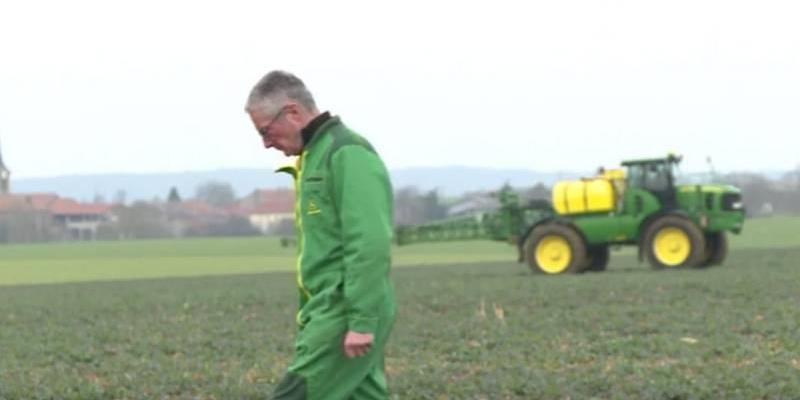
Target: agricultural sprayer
[[640, 204]]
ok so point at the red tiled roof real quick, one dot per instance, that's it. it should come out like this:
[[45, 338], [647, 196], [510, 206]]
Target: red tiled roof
[[270, 201], [237, 210], [197, 207], [275, 207], [51, 203], [275, 192], [40, 201], [30, 201], [267, 194], [8, 202], [72, 207]]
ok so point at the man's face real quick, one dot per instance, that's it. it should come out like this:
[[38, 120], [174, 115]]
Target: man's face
[[279, 130]]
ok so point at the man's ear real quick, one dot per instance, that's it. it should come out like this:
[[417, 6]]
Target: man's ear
[[295, 113], [293, 108]]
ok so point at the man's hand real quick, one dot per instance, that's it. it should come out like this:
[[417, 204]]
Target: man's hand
[[357, 344]]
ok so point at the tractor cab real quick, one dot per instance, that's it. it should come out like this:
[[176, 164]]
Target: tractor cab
[[656, 176]]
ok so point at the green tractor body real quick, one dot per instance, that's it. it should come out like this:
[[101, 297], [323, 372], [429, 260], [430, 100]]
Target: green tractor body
[[641, 205]]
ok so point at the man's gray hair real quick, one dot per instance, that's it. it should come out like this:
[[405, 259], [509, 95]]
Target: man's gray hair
[[276, 89]]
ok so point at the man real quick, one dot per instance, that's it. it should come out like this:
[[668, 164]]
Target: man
[[344, 227]]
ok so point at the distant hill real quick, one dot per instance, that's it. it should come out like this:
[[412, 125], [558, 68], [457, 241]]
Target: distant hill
[[453, 181], [449, 181]]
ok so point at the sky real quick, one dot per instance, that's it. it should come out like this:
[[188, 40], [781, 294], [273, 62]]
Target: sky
[[90, 87]]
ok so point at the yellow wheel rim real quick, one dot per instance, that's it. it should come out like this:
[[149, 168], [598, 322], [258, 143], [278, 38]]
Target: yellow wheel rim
[[553, 254], [672, 246]]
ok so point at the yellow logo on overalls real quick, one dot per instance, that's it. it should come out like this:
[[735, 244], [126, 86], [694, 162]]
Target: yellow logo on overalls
[[312, 208]]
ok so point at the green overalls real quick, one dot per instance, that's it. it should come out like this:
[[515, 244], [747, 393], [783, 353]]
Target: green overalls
[[344, 231]]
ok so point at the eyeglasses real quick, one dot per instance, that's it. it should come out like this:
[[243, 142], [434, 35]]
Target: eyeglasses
[[265, 130]]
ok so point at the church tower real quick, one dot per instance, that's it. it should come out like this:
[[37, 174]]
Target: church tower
[[5, 177]]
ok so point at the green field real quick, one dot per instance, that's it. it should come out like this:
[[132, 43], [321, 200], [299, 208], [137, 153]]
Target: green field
[[475, 326], [71, 262]]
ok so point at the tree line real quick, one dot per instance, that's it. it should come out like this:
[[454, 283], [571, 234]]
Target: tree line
[[166, 218]]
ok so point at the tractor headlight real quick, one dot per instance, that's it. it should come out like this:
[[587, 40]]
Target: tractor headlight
[[732, 202]]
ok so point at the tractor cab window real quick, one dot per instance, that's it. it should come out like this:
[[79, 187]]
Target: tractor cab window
[[635, 176], [655, 177]]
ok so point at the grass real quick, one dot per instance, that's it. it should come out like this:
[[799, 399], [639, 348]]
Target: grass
[[76, 262], [768, 233], [466, 330]]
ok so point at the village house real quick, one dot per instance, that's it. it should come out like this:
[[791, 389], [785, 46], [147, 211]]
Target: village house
[[46, 216], [269, 209]]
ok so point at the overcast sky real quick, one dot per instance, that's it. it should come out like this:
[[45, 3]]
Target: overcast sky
[[144, 86]]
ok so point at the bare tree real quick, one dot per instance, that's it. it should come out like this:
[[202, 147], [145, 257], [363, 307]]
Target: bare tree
[[538, 192], [413, 207], [141, 220], [792, 178], [216, 193], [120, 197]]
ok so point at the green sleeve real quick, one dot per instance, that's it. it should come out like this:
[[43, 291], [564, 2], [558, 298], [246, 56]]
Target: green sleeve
[[363, 197]]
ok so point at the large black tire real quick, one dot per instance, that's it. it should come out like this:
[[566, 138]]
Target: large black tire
[[555, 249], [598, 258], [716, 249], [673, 241]]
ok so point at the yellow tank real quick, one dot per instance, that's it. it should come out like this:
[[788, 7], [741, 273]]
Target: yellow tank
[[584, 196], [614, 174]]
